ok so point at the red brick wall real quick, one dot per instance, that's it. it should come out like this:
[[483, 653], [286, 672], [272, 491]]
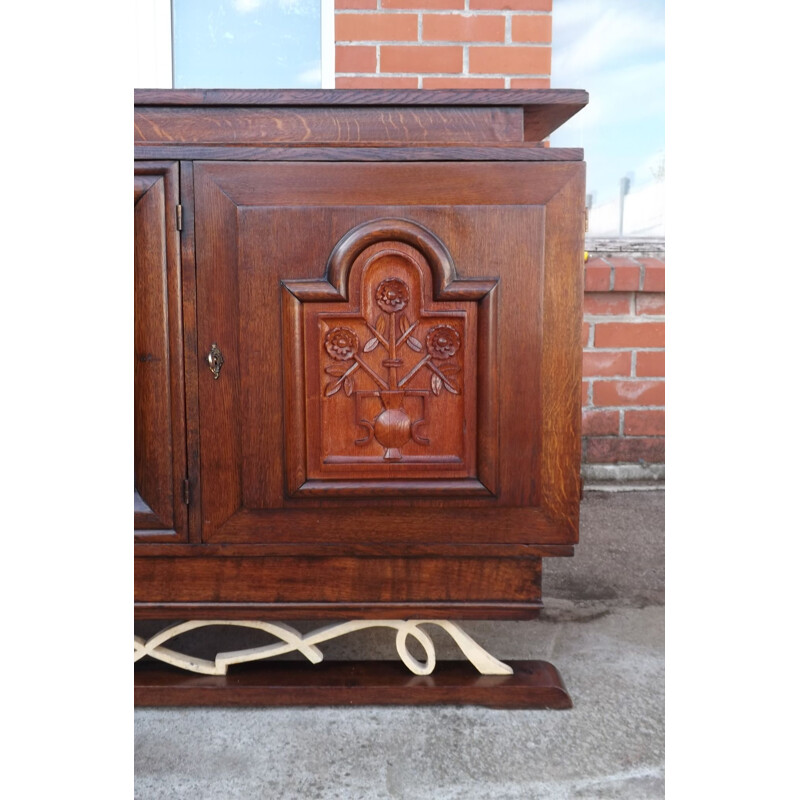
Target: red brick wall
[[623, 361], [443, 44]]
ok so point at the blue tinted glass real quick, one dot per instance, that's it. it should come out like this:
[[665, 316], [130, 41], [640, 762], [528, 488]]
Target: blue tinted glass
[[246, 44]]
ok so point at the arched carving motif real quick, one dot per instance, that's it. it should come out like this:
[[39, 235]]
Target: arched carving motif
[[388, 345]]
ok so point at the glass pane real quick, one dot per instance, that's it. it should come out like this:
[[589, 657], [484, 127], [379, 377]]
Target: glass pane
[[246, 44]]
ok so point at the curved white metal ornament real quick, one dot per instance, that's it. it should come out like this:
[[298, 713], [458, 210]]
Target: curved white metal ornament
[[293, 640]]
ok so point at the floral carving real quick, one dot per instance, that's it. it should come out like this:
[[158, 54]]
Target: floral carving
[[443, 341], [341, 344], [392, 295], [393, 427]]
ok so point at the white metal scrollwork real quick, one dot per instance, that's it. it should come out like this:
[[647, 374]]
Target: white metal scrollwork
[[292, 640]]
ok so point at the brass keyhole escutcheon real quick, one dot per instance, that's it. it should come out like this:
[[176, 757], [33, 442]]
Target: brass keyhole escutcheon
[[215, 360]]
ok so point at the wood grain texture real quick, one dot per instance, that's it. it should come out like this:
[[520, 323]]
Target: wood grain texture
[[191, 348], [357, 548], [562, 369], [329, 453], [336, 579], [251, 253], [308, 185], [533, 684], [359, 97], [282, 193], [159, 451], [344, 125], [308, 611], [267, 151], [536, 113]]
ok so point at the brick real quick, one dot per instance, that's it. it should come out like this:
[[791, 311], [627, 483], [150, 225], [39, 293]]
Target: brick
[[627, 278], [622, 261], [585, 337], [628, 393], [653, 275], [651, 303], [425, 5], [644, 423], [605, 364], [510, 60], [650, 364], [597, 276], [532, 28], [356, 59], [347, 4], [370, 82], [531, 83], [600, 423], [511, 5], [458, 28], [585, 393], [629, 334], [411, 58], [376, 27], [600, 303], [610, 450], [463, 83]]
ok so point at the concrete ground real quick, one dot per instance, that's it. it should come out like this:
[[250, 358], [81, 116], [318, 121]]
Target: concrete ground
[[603, 628]]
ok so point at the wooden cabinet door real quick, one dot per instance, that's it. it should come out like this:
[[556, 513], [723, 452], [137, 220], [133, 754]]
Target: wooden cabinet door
[[401, 352], [159, 418]]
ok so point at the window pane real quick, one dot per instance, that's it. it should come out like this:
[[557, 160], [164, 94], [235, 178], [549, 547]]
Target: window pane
[[246, 44]]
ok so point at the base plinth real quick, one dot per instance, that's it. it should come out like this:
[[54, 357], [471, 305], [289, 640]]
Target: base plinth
[[534, 684]]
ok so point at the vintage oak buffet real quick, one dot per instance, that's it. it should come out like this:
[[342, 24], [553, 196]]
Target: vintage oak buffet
[[357, 383]]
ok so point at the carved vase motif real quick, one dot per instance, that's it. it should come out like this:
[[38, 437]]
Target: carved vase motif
[[394, 426]]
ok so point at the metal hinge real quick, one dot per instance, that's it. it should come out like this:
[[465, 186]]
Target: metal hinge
[[186, 491], [179, 216]]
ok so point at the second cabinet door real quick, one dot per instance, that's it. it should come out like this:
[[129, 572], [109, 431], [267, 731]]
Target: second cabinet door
[[398, 351]]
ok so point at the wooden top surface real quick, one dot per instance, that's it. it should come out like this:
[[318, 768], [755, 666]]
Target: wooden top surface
[[361, 97], [538, 111]]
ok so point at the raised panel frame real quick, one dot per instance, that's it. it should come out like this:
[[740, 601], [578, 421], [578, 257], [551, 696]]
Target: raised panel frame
[[544, 511], [158, 345], [371, 241]]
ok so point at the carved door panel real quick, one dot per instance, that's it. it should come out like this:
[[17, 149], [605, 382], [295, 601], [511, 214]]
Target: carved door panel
[[159, 422], [400, 348]]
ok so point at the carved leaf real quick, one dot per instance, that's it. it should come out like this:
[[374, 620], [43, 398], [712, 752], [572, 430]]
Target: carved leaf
[[332, 388], [436, 384], [371, 345], [452, 389], [449, 369], [336, 369], [414, 344], [348, 385], [380, 324]]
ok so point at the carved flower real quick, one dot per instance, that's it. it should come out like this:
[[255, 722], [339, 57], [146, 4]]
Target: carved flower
[[341, 344], [443, 341], [392, 295]]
